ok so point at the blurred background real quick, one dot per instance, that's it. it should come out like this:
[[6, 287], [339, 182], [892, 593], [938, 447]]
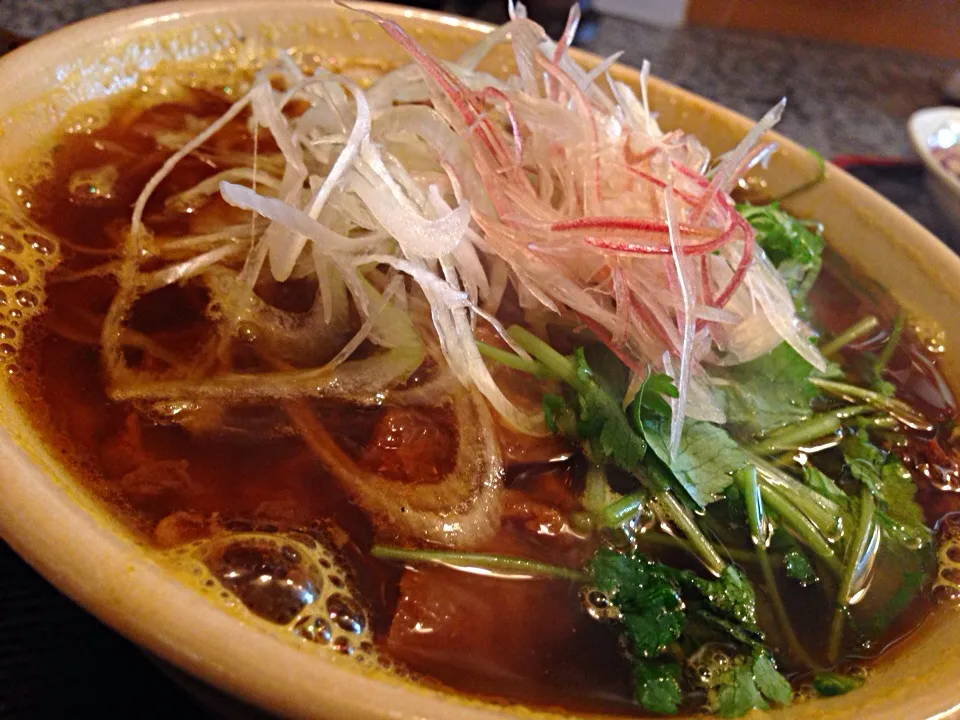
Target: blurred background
[[925, 26], [853, 72]]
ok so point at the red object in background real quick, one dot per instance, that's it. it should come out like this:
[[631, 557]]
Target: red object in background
[[847, 161]]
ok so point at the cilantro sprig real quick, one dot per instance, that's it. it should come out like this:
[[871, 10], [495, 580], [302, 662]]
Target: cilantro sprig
[[801, 528], [794, 246], [598, 418], [664, 612]]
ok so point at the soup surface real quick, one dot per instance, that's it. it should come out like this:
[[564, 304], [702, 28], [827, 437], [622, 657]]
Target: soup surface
[[370, 521]]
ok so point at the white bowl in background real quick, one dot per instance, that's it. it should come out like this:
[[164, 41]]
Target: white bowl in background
[[931, 128]]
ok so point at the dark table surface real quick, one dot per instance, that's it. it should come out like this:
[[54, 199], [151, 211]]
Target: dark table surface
[[57, 661]]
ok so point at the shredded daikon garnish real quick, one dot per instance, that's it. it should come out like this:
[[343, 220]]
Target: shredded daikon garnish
[[556, 182]]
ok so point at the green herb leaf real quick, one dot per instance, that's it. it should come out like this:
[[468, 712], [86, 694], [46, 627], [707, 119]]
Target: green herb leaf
[[637, 585], [735, 506], [602, 423], [731, 595], [825, 486], [738, 694], [905, 542], [832, 684], [648, 598], [558, 416], [653, 394], [705, 461], [724, 629], [606, 369], [798, 567], [652, 619], [768, 392], [750, 682], [909, 548], [656, 686], [667, 613], [887, 479], [793, 246], [772, 684]]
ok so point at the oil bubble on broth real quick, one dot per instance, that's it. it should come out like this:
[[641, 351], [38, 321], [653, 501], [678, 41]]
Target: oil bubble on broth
[[289, 579], [26, 252]]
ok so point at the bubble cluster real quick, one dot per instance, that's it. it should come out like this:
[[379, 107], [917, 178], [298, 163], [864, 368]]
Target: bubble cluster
[[11, 274], [9, 244], [946, 585], [85, 120], [290, 579], [597, 605], [271, 580], [26, 252], [709, 663]]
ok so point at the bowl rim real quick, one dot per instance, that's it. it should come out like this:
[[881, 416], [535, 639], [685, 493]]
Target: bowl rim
[[122, 581], [920, 125]]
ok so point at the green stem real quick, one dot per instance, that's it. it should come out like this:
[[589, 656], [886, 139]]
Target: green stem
[[862, 549], [616, 514], [596, 491], [663, 539], [852, 393], [795, 435], [853, 333], [501, 563], [512, 360], [581, 522], [823, 512], [883, 359], [881, 422], [560, 365], [656, 481], [759, 529], [747, 477], [678, 514], [784, 460], [801, 525]]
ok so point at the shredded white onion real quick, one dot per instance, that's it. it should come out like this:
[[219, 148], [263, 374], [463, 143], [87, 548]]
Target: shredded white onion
[[687, 320], [417, 221]]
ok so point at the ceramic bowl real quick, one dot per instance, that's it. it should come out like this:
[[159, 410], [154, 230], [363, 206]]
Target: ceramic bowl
[[931, 128], [65, 535]]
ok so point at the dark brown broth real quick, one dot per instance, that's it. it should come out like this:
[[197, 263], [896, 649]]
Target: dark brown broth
[[485, 641]]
